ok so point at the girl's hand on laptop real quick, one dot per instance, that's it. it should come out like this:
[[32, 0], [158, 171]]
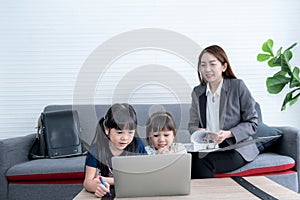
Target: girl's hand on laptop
[[162, 151]]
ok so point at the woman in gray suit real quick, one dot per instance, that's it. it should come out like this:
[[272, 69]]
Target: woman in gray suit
[[224, 105]]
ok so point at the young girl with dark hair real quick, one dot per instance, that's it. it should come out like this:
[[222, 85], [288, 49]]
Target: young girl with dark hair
[[115, 136], [161, 133]]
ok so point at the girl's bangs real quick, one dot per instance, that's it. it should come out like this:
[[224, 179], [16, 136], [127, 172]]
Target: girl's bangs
[[161, 124], [124, 122], [126, 125]]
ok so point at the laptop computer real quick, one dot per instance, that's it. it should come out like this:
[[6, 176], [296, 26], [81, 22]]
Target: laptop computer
[[152, 175]]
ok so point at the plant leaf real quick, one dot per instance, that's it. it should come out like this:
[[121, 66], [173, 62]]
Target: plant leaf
[[267, 47], [295, 80], [282, 73], [278, 52], [296, 72], [290, 99], [276, 83], [284, 63], [287, 98], [263, 57], [277, 60], [272, 63], [288, 55], [295, 99], [292, 46]]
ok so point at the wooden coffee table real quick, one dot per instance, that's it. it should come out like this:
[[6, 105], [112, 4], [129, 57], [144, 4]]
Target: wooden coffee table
[[220, 188]]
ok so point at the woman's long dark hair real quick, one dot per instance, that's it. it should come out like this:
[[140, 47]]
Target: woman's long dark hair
[[119, 116], [220, 54]]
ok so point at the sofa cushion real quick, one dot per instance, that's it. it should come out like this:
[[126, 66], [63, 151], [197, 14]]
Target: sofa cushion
[[60, 170], [264, 130], [263, 164]]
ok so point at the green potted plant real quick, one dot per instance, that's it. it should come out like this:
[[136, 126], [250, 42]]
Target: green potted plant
[[286, 75]]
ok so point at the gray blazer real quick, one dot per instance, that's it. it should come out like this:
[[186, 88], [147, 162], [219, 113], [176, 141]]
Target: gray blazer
[[237, 114]]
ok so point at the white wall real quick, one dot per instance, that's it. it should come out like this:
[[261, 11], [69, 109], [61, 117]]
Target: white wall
[[63, 52]]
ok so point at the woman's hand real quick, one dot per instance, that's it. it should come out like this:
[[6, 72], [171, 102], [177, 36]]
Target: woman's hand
[[222, 135]]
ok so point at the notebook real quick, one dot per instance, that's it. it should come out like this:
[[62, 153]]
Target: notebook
[[152, 175]]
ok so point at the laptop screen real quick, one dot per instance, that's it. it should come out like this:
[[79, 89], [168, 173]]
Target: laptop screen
[[152, 175]]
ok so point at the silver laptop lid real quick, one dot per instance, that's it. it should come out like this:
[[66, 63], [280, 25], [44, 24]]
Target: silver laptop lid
[[152, 175]]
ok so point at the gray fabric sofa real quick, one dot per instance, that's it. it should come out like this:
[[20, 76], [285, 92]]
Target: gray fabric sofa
[[62, 178]]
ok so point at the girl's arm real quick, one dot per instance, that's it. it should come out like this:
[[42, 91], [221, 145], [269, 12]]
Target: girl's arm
[[90, 180]]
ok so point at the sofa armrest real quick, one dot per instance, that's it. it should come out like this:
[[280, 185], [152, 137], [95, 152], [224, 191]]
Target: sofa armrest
[[15, 150], [289, 144], [12, 151]]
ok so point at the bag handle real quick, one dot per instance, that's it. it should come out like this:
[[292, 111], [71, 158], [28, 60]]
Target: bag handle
[[35, 148]]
